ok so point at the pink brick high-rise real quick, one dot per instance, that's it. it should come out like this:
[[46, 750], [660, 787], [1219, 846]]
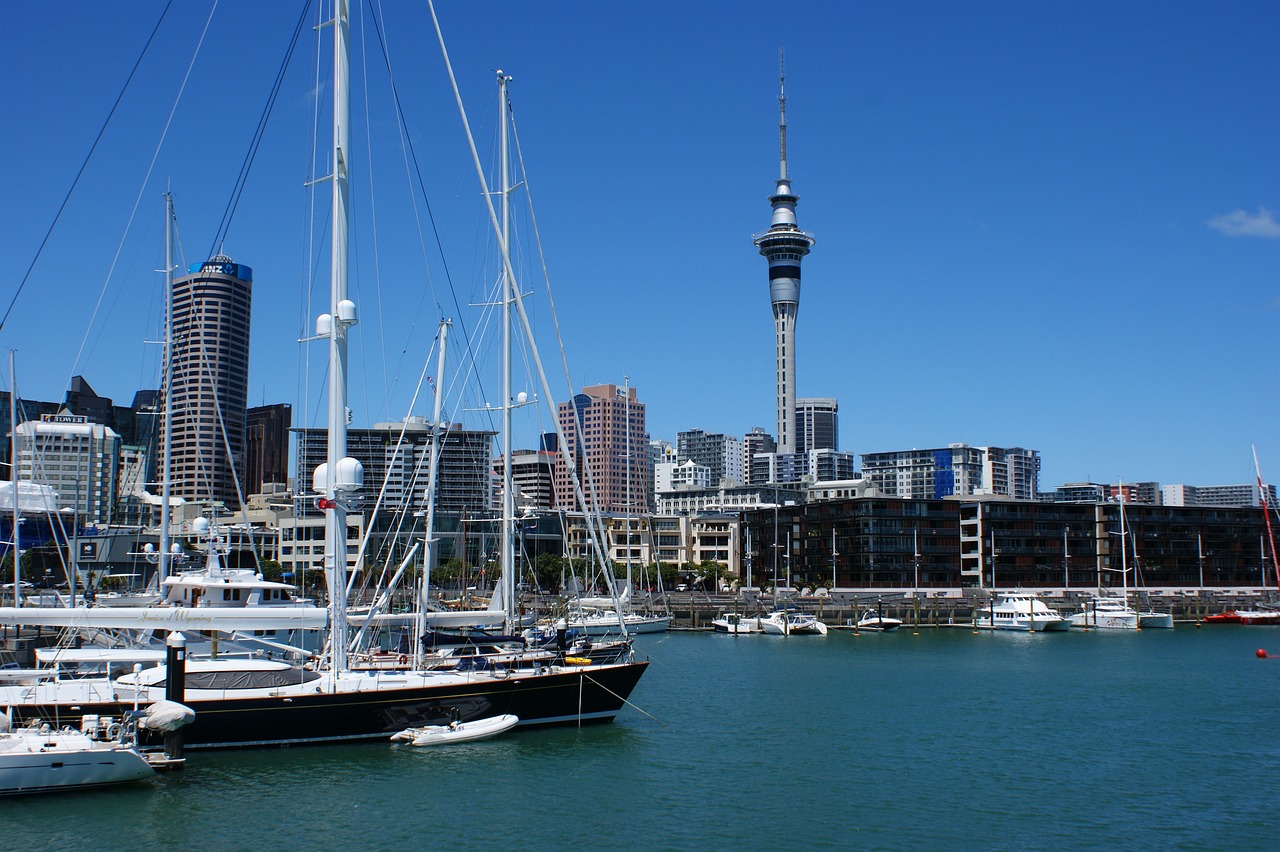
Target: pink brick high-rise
[[605, 430]]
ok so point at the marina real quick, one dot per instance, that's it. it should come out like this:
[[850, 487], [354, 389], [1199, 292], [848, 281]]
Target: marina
[[961, 728], [471, 607]]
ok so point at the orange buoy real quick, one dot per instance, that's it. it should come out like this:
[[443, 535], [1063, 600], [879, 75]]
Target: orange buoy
[[1262, 653]]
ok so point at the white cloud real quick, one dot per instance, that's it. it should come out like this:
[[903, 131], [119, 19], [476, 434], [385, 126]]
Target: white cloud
[[1242, 224]]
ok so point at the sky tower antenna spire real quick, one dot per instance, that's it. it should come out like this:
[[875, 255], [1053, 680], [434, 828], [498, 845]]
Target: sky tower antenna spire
[[782, 112]]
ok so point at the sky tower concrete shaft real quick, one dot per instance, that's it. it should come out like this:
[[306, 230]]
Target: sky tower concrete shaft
[[784, 245]]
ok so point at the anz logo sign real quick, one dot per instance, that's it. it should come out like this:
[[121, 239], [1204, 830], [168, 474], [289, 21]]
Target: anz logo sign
[[222, 266]]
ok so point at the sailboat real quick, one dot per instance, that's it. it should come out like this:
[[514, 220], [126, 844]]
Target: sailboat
[[1107, 612], [255, 702], [103, 751], [1104, 611], [787, 619]]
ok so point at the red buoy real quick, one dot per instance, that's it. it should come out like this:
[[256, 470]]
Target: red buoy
[[1262, 653]]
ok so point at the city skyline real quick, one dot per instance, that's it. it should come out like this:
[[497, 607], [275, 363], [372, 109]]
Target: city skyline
[[1044, 225]]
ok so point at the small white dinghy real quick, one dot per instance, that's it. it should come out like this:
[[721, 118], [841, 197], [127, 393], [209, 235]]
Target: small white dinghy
[[456, 732]]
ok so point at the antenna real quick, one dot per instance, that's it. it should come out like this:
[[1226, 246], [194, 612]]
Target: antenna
[[782, 112]]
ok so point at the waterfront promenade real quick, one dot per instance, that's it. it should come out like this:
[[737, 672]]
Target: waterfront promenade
[[948, 607]]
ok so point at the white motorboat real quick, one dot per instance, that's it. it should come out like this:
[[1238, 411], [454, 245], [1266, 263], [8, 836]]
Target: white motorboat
[[1106, 613], [456, 732], [217, 585], [792, 622], [736, 624], [1018, 611], [874, 620]]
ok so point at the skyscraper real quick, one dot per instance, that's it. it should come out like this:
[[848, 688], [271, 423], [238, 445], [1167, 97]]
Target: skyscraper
[[266, 446], [211, 309], [817, 425], [784, 245], [605, 428]]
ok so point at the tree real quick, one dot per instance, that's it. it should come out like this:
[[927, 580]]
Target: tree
[[271, 570], [548, 568]]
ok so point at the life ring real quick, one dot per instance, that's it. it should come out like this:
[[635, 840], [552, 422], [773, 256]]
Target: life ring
[[403, 659], [113, 731]]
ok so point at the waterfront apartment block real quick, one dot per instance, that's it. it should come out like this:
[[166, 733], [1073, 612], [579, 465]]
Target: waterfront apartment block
[[990, 542], [605, 429], [955, 470]]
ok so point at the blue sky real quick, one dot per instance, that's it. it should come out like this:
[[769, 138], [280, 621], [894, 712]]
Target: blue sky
[[1040, 224]]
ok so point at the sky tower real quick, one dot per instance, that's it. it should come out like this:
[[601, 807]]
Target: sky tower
[[784, 245]]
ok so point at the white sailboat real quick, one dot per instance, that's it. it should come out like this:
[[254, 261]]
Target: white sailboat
[[1104, 611], [103, 751]]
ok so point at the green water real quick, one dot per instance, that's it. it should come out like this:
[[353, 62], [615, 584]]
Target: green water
[[945, 740]]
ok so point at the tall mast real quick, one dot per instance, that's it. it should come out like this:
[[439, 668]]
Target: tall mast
[[339, 477], [508, 562], [165, 557], [626, 405], [1265, 496], [1124, 548], [15, 544], [437, 435]]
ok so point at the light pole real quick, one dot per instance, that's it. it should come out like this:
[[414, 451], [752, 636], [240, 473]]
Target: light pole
[[1200, 556], [1066, 560], [834, 554], [915, 590], [915, 584]]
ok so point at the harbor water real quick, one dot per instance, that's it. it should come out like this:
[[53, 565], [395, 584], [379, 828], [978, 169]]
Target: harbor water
[[948, 739]]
